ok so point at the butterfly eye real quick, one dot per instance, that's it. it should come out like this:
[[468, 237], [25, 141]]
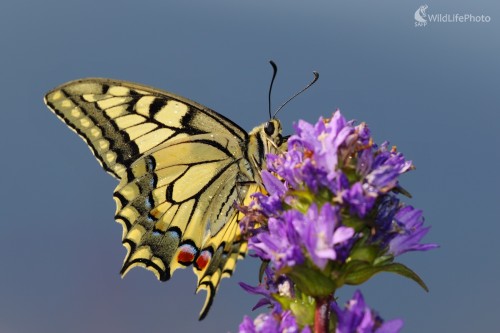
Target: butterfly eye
[[269, 128]]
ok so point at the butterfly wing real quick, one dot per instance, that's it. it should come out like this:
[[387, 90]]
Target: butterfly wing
[[178, 212], [181, 167], [120, 121]]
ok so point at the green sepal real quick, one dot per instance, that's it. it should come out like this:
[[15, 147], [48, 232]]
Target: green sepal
[[303, 312], [323, 195], [262, 269], [367, 253], [358, 272], [284, 301], [303, 200], [302, 307], [349, 170], [312, 281], [353, 221], [383, 260]]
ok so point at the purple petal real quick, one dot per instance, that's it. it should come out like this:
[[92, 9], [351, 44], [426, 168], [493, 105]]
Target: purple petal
[[343, 234], [272, 184], [391, 326], [288, 323], [247, 326], [409, 232]]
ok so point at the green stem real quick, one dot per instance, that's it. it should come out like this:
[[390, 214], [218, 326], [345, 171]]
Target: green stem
[[322, 314]]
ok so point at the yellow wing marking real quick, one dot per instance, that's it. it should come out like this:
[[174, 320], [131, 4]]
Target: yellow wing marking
[[136, 132], [119, 91], [143, 105], [153, 139], [171, 113], [116, 111], [129, 121], [107, 103]]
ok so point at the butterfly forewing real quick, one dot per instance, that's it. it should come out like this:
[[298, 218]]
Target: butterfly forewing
[[181, 167], [121, 121]]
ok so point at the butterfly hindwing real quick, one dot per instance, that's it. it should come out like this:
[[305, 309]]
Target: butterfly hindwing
[[181, 168], [167, 197]]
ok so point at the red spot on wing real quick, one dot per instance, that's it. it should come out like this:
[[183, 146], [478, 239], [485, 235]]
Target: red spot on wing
[[186, 254], [203, 259]]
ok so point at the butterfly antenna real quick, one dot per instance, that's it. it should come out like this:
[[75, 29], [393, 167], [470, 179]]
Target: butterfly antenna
[[316, 77], [275, 71]]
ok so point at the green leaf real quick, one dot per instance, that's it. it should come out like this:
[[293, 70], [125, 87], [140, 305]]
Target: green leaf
[[406, 272], [362, 273]]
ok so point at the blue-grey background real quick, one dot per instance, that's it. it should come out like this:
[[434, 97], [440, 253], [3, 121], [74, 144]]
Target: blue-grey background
[[433, 92]]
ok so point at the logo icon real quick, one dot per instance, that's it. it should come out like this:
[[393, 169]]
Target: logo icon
[[421, 16]]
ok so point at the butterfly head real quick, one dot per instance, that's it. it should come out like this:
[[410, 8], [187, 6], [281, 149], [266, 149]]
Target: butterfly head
[[273, 129], [270, 136], [264, 139]]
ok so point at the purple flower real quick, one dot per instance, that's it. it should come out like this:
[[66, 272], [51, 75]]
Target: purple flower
[[274, 322], [365, 162], [317, 233], [336, 156], [280, 242], [357, 317], [322, 139], [264, 323], [247, 325], [314, 152], [330, 197], [399, 227], [386, 167], [272, 184], [386, 156], [321, 233], [288, 323], [324, 155], [272, 284], [409, 231], [288, 166], [386, 210], [271, 204], [359, 201]]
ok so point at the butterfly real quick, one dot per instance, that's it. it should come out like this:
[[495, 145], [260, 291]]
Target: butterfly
[[181, 167]]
